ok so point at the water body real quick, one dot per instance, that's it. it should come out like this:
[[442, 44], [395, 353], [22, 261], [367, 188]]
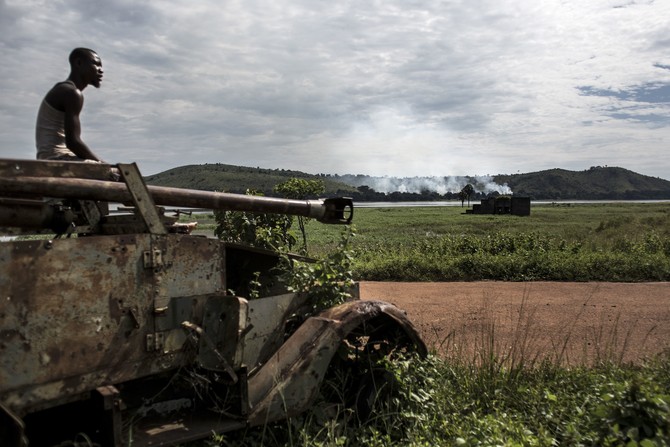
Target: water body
[[458, 203]]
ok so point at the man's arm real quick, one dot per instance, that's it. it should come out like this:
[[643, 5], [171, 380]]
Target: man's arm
[[73, 103]]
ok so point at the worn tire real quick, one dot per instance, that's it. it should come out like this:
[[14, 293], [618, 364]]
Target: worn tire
[[375, 391]]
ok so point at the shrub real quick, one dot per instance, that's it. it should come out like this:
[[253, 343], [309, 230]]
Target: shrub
[[271, 231]]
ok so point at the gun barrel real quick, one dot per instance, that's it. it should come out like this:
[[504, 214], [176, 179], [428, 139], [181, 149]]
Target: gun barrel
[[338, 210]]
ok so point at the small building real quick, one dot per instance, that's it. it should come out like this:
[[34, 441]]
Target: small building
[[520, 206], [517, 206]]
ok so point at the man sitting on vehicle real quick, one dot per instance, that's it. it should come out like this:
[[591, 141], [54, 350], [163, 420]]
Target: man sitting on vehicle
[[58, 130]]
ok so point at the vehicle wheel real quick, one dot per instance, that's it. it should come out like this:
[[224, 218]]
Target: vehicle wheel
[[374, 393]]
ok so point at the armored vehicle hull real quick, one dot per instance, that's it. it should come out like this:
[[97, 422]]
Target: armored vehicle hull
[[127, 330]]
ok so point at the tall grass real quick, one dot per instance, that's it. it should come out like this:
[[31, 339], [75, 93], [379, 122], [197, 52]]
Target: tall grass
[[488, 400]]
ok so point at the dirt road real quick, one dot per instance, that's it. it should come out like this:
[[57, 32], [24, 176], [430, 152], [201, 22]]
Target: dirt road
[[575, 323]]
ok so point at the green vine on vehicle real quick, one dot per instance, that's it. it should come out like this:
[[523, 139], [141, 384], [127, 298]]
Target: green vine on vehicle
[[262, 230], [328, 281], [299, 189]]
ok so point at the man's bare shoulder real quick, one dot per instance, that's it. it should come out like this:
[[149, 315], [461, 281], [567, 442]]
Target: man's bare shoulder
[[63, 94]]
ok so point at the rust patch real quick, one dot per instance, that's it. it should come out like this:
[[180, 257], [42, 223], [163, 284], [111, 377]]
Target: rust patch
[[11, 335]]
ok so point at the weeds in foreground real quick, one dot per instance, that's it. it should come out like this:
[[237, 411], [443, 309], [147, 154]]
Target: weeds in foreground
[[481, 392], [445, 403]]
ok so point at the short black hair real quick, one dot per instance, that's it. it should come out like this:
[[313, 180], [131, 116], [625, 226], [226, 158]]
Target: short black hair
[[79, 53]]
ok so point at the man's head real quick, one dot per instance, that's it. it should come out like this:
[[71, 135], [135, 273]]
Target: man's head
[[85, 64]]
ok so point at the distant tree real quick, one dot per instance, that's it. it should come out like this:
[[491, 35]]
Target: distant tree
[[462, 196], [365, 192], [469, 190], [299, 189]]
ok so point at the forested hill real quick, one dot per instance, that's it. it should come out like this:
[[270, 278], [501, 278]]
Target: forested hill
[[238, 179], [596, 183]]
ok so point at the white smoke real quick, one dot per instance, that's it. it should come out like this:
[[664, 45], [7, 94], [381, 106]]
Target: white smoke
[[440, 185]]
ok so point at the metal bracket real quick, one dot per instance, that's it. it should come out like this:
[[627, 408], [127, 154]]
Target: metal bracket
[[143, 201], [155, 341], [91, 212], [112, 406], [153, 259]]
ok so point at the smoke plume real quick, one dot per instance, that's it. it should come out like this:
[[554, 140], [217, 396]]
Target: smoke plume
[[440, 185]]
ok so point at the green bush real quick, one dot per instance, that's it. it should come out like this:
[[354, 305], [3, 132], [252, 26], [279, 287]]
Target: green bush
[[327, 281], [271, 231], [634, 413]]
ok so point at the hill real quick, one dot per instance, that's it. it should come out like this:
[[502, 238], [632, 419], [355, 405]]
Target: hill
[[596, 183], [237, 179]]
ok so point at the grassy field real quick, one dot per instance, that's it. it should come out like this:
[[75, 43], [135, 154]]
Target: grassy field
[[595, 224], [607, 242], [486, 400], [559, 242]]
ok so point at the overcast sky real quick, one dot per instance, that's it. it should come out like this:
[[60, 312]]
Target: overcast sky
[[397, 88]]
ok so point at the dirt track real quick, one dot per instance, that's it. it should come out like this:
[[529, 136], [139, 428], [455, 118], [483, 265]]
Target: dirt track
[[576, 323]]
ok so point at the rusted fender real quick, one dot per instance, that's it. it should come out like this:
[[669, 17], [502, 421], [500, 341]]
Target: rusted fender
[[289, 382]]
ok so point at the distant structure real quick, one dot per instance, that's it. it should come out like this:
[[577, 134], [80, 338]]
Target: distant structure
[[517, 206]]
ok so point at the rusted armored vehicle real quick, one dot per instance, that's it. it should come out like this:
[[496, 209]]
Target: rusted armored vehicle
[[122, 328]]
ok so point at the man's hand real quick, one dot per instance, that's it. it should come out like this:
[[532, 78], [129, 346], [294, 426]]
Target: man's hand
[[114, 174]]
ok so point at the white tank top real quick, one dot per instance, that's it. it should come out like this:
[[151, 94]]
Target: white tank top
[[50, 133]]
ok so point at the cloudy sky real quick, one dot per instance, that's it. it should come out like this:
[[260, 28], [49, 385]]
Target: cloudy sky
[[379, 87]]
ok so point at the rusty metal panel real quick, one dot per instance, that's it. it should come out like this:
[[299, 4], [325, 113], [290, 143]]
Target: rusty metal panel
[[267, 317], [224, 324], [186, 266], [78, 313], [63, 169], [288, 382], [69, 308]]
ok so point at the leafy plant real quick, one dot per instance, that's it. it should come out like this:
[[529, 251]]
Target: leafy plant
[[327, 281], [297, 188], [634, 413], [261, 230]]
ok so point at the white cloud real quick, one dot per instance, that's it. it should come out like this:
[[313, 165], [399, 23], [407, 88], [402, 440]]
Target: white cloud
[[388, 87]]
